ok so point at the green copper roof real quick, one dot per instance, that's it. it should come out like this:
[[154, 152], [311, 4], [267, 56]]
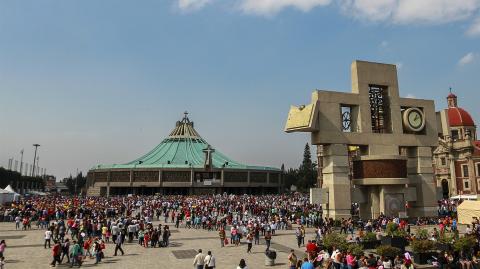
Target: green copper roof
[[183, 148]]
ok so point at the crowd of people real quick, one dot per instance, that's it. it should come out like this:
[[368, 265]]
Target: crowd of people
[[78, 228]]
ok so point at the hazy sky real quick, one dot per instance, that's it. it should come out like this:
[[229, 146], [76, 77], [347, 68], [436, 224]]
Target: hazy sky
[[104, 81]]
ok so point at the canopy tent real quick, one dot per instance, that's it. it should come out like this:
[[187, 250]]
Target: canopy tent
[[6, 197], [9, 189], [464, 197], [467, 210]]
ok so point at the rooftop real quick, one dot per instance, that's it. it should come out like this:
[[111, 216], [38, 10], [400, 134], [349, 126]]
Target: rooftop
[[183, 148]]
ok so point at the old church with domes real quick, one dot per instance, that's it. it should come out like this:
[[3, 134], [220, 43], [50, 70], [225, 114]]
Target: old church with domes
[[457, 157]]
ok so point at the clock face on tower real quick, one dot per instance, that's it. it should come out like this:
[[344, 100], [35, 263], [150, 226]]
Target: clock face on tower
[[413, 119]]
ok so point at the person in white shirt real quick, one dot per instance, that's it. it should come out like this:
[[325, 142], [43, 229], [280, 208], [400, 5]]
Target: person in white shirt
[[209, 261], [48, 237], [199, 260]]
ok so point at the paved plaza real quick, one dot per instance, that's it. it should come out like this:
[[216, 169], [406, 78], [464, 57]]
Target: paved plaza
[[25, 250]]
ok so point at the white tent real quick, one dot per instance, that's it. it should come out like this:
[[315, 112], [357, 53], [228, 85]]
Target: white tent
[[6, 196], [9, 189], [467, 210]]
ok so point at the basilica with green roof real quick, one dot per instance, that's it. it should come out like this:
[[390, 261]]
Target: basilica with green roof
[[183, 163]]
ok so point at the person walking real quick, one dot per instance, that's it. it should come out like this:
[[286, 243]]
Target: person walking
[[249, 242], [98, 251], [268, 239], [118, 245], [48, 238], [298, 234], [302, 229], [3, 245], [209, 261], [222, 235], [76, 254], [199, 260], [292, 260], [65, 250], [56, 252]]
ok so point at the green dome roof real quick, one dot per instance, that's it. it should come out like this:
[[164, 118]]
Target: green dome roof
[[183, 148]]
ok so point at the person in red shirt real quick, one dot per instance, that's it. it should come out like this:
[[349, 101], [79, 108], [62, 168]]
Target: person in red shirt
[[86, 246], [311, 248], [56, 252]]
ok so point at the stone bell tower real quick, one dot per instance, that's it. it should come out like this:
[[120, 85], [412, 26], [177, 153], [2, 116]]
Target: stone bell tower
[[376, 147]]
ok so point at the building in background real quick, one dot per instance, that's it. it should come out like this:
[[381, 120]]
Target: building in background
[[183, 163], [457, 157]]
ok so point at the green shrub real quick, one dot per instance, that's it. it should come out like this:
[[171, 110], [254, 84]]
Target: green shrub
[[464, 243], [388, 251], [393, 230], [335, 240], [369, 237], [423, 246], [445, 238], [355, 249], [422, 234]]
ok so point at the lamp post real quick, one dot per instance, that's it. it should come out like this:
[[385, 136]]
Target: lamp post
[[34, 158]]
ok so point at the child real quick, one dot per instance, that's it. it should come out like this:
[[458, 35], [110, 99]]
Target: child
[[107, 236], [146, 238]]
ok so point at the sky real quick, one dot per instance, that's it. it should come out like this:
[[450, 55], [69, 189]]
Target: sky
[[105, 81]]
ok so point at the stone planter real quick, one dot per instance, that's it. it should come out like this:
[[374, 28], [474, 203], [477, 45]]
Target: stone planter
[[422, 258], [398, 242], [444, 247], [370, 244]]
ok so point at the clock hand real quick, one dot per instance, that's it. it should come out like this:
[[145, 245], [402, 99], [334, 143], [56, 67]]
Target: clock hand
[[416, 117]]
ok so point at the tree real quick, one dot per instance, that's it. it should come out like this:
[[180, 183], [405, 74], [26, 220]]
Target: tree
[[307, 170], [291, 177], [80, 181]]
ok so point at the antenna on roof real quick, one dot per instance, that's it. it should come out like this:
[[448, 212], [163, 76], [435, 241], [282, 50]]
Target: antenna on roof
[[450, 89]]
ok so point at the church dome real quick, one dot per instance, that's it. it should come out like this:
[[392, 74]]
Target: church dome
[[459, 117]]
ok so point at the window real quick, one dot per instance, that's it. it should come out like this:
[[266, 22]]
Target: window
[[443, 161], [346, 119], [379, 109], [464, 170], [455, 134], [477, 172], [466, 184]]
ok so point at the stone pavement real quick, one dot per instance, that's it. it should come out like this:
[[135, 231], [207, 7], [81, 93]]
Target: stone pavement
[[25, 250]]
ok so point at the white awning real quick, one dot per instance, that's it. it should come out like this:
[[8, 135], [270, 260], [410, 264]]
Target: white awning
[[464, 197]]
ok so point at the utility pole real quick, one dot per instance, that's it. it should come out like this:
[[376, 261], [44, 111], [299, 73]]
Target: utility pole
[[38, 166], [34, 158], [21, 162]]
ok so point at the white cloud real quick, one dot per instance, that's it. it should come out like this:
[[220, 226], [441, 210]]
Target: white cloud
[[384, 44], [384, 11], [468, 58], [410, 95], [474, 29], [399, 65], [411, 11], [272, 7], [192, 5]]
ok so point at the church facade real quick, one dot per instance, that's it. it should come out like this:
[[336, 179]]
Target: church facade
[[457, 157], [183, 163]]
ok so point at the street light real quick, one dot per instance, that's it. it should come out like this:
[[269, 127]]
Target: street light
[[34, 158]]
